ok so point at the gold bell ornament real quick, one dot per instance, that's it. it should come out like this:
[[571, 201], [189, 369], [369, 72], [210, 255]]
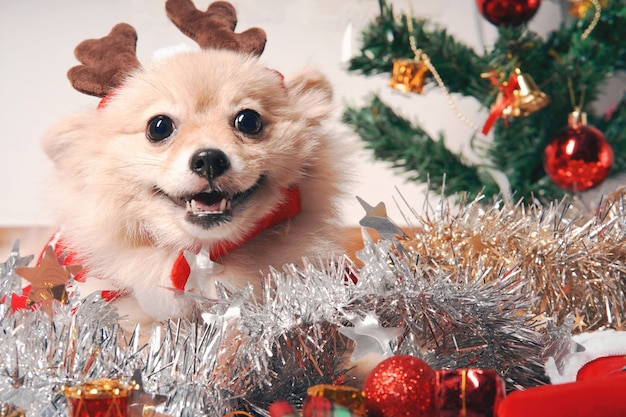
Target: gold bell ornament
[[518, 96], [528, 98], [408, 75]]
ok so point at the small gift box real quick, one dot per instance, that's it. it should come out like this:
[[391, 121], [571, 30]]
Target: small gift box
[[98, 398], [468, 392], [407, 75], [351, 398]]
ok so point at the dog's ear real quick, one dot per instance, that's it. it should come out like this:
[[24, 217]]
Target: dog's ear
[[58, 141], [312, 92]]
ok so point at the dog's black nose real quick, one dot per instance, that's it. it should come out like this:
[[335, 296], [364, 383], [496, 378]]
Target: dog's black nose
[[209, 163]]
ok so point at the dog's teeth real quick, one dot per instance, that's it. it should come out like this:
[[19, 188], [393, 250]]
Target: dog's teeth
[[198, 207]]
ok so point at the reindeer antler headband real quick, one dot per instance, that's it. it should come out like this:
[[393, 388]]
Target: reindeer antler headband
[[106, 61]]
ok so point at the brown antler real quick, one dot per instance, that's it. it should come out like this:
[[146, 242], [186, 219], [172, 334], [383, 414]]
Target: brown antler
[[106, 61], [214, 28]]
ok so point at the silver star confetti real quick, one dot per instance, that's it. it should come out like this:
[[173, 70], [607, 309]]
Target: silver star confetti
[[376, 218], [10, 282], [370, 337], [201, 267]]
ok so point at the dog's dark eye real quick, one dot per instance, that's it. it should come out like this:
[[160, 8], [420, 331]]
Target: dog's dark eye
[[160, 128], [248, 122]]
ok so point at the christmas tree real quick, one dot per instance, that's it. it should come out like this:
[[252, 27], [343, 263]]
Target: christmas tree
[[531, 129]]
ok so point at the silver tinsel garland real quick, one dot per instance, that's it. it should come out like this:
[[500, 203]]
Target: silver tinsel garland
[[242, 353], [571, 259]]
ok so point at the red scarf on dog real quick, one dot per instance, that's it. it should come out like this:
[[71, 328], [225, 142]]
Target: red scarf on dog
[[181, 269]]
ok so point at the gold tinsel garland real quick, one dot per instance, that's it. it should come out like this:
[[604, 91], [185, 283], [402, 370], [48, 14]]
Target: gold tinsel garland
[[571, 260]]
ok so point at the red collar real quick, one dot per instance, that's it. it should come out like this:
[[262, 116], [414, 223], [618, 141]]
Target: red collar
[[288, 209], [283, 212]]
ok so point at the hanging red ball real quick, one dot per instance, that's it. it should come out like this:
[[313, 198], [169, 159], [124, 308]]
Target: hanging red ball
[[579, 157], [400, 386], [508, 12]]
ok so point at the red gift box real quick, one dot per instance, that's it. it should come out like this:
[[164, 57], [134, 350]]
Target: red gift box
[[468, 392], [98, 398]]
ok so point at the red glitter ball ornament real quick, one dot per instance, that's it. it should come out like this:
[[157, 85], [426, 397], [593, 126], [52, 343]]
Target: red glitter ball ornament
[[508, 12], [400, 386], [579, 157]]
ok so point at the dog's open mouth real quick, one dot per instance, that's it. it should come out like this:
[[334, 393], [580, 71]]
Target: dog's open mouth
[[213, 207]]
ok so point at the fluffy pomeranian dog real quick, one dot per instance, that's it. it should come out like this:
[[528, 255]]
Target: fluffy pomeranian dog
[[203, 150]]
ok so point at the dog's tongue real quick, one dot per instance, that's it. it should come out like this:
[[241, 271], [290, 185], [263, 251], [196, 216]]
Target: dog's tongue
[[200, 206], [207, 203]]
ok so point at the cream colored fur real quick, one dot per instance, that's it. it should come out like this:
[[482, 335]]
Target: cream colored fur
[[106, 172]]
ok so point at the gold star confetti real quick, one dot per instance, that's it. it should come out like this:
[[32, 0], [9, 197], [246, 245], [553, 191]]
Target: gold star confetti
[[579, 322], [48, 279], [477, 243]]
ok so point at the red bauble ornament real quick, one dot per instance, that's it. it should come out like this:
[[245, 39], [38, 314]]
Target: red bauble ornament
[[579, 157], [508, 12], [400, 386]]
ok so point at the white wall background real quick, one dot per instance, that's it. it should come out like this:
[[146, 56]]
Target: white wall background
[[37, 38]]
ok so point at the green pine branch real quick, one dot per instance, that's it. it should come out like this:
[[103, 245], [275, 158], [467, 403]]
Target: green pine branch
[[562, 65], [387, 38], [410, 148]]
